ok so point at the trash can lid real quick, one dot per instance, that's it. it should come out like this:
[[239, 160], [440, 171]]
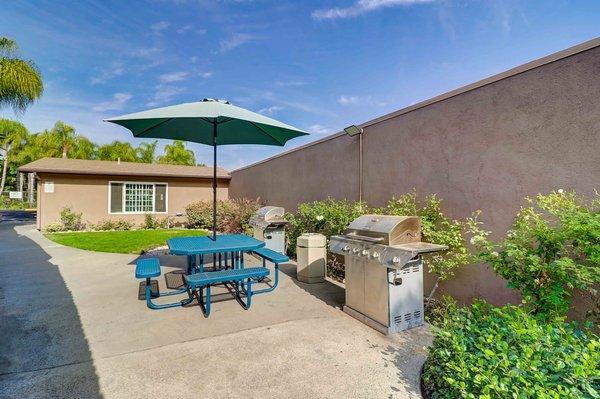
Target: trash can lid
[[311, 240]]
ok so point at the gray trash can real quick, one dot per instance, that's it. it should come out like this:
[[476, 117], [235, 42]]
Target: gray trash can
[[311, 251]]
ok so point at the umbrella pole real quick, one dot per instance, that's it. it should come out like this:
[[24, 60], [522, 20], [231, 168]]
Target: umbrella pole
[[214, 237]]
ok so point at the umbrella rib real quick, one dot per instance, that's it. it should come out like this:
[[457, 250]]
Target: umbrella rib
[[152, 127], [265, 132]]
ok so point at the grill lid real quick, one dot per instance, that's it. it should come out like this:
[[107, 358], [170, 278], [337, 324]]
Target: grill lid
[[385, 229], [268, 216]]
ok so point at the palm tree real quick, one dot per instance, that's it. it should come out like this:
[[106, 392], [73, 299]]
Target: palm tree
[[12, 136], [20, 80], [65, 135]]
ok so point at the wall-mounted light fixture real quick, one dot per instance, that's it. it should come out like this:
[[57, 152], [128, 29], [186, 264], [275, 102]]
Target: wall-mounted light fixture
[[352, 131]]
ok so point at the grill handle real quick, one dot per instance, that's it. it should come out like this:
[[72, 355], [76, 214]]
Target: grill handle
[[365, 238]]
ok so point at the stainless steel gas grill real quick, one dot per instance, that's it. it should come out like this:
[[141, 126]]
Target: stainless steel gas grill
[[269, 226], [384, 270]]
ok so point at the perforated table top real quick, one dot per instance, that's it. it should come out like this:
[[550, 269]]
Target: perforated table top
[[205, 245]]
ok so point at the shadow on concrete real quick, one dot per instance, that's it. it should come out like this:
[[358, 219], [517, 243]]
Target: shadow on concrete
[[44, 351], [328, 292]]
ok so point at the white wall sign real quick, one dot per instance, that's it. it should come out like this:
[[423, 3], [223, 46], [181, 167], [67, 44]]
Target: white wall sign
[[48, 186], [15, 195]]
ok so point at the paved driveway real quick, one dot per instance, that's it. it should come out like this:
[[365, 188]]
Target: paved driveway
[[72, 327]]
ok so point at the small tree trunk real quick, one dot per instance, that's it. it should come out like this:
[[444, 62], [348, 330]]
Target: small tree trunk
[[432, 292], [4, 169]]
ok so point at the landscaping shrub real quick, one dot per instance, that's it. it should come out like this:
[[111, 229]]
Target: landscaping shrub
[[328, 217], [54, 227], [113, 224], [489, 352], [151, 222], [9, 203], [552, 248], [436, 228], [331, 217], [232, 215], [71, 221]]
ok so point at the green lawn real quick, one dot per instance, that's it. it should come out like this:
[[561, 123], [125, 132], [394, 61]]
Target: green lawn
[[124, 242]]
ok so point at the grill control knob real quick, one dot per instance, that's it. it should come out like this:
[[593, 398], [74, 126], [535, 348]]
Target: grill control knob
[[375, 255], [356, 250], [365, 252], [396, 260], [346, 248]]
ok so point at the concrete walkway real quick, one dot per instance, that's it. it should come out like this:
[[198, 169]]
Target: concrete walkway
[[72, 327]]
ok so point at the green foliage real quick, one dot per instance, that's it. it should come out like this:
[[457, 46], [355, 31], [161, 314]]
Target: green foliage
[[489, 352], [232, 215], [12, 137], [117, 150], [152, 222], [177, 154], [54, 227], [8, 203], [20, 80], [146, 152], [436, 228], [112, 224], [71, 221], [331, 217], [552, 248]]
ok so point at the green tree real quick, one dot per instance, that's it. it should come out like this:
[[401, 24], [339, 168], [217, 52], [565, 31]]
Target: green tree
[[177, 154], [146, 152], [20, 80], [117, 150], [60, 141], [12, 137]]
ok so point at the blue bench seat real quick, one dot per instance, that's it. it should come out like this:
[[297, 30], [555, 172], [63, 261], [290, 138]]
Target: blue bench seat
[[147, 268], [271, 256], [221, 276]]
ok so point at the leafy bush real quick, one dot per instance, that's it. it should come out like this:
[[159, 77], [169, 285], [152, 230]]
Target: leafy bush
[[70, 220], [552, 248], [8, 203], [436, 228], [113, 224], [331, 217], [233, 216], [151, 222], [488, 352], [54, 227], [328, 217]]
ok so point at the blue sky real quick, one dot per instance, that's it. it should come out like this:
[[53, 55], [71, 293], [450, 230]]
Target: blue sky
[[317, 65]]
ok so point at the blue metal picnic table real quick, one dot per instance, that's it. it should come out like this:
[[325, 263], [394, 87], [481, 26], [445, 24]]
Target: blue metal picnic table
[[226, 248]]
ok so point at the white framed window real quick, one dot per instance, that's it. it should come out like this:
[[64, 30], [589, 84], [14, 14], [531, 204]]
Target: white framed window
[[137, 197]]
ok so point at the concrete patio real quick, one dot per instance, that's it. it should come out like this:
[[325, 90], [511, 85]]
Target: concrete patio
[[72, 326]]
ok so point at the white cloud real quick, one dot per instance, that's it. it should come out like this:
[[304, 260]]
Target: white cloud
[[272, 110], [290, 83], [116, 69], [348, 100], [117, 103], [353, 100], [319, 130], [147, 52], [164, 94], [160, 26], [235, 40], [173, 77], [183, 29], [206, 74], [361, 7]]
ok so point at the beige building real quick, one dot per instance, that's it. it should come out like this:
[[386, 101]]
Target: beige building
[[103, 190]]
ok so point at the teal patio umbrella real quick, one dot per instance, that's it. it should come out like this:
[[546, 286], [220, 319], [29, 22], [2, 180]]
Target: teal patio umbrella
[[211, 122]]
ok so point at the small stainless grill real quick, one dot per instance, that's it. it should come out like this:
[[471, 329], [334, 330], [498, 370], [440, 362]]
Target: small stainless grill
[[269, 226], [384, 270]]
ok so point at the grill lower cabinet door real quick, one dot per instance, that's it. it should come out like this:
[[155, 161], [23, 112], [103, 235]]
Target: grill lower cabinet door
[[355, 284], [377, 297]]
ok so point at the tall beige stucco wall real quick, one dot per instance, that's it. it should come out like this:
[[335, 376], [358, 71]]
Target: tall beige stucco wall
[[89, 195], [483, 149]]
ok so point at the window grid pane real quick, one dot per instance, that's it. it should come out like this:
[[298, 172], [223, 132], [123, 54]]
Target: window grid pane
[[139, 197]]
